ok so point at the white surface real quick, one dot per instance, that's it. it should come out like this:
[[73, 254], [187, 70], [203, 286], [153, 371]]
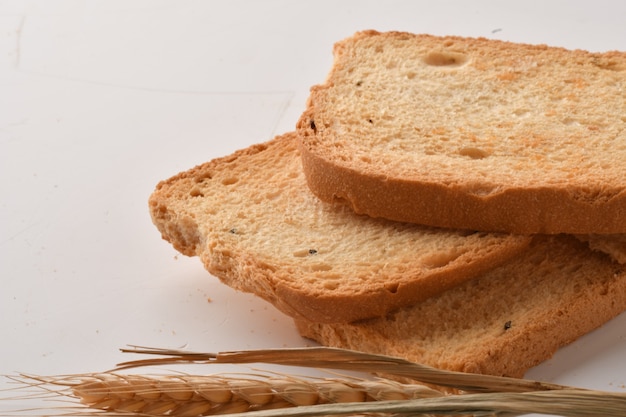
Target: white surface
[[99, 100]]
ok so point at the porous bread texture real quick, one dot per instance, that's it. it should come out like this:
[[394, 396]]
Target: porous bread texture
[[471, 133], [503, 323], [255, 225], [613, 245]]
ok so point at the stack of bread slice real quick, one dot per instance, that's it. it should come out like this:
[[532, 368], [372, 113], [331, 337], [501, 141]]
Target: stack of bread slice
[[457, 202]]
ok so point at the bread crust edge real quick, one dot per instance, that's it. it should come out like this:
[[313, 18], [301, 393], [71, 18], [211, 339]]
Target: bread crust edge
[[530, 210], [514, 351]]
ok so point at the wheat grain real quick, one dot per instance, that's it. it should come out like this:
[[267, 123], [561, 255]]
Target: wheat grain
[[191, 395]]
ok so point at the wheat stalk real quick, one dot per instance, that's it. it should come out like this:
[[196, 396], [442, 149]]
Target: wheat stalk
[[278, 395], [569, 403], [344, 359]]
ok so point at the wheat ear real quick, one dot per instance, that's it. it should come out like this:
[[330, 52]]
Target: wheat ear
[[192, 395]]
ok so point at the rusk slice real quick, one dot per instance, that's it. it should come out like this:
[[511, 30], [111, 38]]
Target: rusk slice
[[255, 225], [471, 133], [502, 323]]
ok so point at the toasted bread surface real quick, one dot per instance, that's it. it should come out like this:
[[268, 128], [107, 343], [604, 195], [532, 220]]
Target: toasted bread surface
[[471, 133], [503, 323], [254, 223]]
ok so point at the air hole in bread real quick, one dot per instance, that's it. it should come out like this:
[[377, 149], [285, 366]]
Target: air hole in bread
[[439, 260], [273, 195], [196, 192], [301, 253], [474, 153], [331, 285], [230, 180], [610, 65], [321, 267], [444, 59], [391, 65], [202, 177], [392, 288]]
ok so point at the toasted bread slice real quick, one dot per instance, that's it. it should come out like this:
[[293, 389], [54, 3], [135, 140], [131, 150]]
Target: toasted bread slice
[[503, 323], [471, 133], [254, 223]]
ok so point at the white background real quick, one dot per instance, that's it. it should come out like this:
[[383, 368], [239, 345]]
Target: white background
[[100, 100]]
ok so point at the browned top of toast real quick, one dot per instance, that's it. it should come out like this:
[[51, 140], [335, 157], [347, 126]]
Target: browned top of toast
[[471, 133]]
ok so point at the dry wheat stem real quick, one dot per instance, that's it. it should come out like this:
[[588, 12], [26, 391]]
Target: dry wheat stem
[[343, 359], [568, 403], [278, 395]]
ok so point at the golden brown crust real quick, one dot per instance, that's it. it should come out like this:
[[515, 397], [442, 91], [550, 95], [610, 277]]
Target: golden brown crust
[[519, 152], [503, 323], [514, 210]]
